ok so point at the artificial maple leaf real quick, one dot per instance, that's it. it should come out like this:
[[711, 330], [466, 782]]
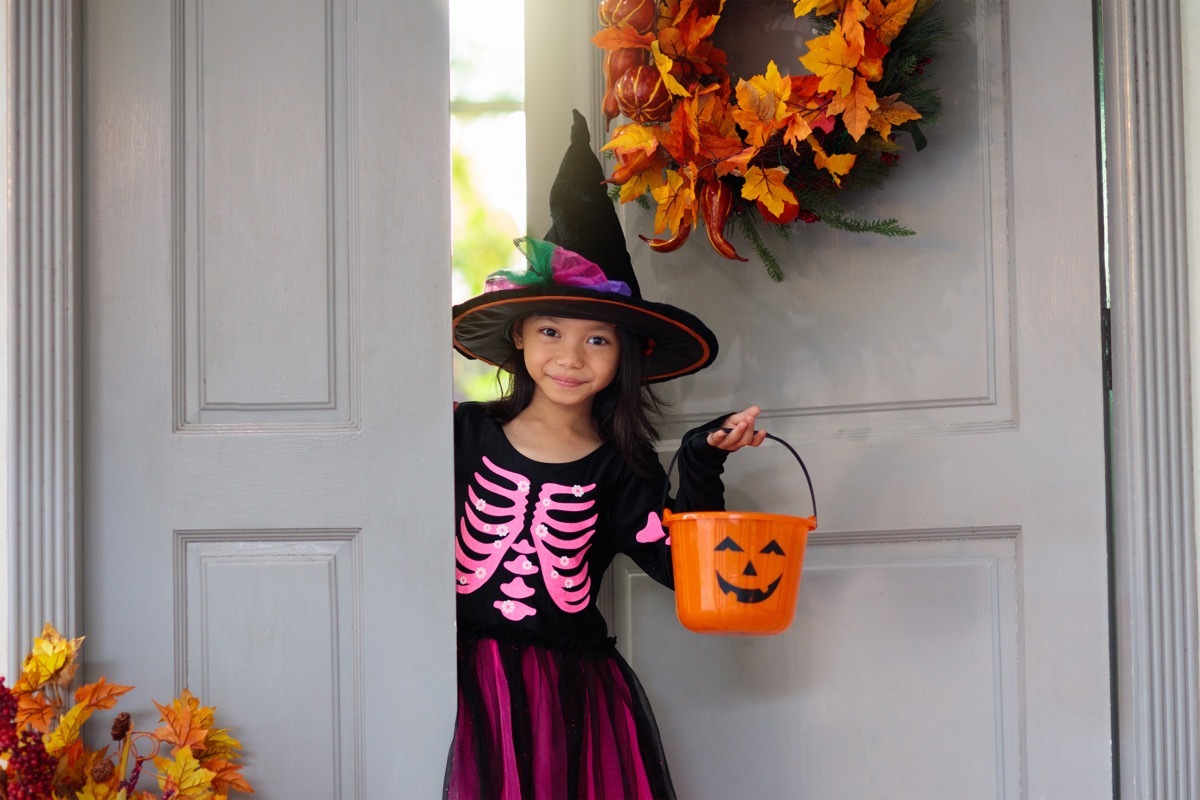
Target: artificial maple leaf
[[646, 179], [891, 112], [69, 728], [836, 165], [851, 19], [184, 775], [51, 659], [665, 66], [856, 107], [821, 7], [768, 186], [762, 104], [34, 710], [676, 202], [100, 694], [621, 36], [632, 138], [832, 59], [181, 728], [226, 776], [890, 18]]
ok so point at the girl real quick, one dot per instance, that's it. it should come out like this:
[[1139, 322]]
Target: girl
[[552, 481]]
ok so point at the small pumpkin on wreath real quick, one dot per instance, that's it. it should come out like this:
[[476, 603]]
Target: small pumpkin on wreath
[[774, 149]]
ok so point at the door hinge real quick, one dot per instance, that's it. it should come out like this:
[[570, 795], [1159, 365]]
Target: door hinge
[[1106, 346]]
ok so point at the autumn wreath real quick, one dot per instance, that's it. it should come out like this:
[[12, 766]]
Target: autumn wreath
[[773, 149]]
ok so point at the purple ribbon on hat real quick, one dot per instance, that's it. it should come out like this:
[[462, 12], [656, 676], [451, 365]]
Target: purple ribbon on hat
[[552, 265]]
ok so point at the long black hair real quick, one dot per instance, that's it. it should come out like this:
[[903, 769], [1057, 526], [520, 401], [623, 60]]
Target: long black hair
[[624, 410]]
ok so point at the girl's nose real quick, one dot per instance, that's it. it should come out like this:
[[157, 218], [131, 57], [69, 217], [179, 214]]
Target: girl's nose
[[571, 355]]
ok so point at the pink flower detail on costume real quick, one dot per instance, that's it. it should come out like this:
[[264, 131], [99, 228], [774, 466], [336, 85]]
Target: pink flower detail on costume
[[546, 502], [517, 588], [577, 490], [566, 562], [653, 531], [522, 486], [481, 573], [481, 505], [514, 610], [569, 583], [463, 581], [542, 531], [502, 530]]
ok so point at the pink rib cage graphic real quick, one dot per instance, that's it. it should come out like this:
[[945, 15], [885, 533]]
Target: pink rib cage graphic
[[490, 537]]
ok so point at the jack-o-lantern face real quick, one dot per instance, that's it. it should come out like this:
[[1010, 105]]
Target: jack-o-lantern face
[[750, 594]]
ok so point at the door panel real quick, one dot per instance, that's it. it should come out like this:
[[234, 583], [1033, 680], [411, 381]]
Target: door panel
[[951, 638], [266, 283]]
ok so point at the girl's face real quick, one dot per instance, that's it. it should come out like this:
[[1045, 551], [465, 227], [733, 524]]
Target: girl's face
[[570, 360]]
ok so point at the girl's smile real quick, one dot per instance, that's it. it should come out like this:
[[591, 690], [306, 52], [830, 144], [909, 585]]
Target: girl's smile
[[570, 360]]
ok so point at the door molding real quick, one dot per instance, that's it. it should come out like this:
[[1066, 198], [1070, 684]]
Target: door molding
[[1154, 537], [43, 331], [1154, 554]]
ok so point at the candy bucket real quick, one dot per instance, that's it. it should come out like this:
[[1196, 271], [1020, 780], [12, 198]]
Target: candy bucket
[[738, 573]]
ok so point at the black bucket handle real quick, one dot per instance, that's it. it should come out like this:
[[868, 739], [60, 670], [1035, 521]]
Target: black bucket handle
[[667, 484]]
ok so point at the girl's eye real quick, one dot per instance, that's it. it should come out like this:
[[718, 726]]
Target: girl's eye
[[598, 340], [548, 332]]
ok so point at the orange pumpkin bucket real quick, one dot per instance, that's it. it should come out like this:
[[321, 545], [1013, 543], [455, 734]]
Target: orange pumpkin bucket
[[738, 573]]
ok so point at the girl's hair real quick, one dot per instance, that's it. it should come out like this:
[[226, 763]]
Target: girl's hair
[[624, 410]]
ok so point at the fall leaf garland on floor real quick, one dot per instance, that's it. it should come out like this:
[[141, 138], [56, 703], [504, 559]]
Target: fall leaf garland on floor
[[774, 149], [44, 757]]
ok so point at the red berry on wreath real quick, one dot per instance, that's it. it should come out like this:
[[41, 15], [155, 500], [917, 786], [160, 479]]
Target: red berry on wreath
[[642, 96], [789, 213]]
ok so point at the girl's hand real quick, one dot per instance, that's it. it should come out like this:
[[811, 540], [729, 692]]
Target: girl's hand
[[742, 433]]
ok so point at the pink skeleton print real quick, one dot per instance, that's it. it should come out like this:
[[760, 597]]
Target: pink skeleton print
[[493, 534]]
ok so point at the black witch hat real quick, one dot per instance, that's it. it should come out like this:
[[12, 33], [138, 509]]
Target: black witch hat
[[582, 269]]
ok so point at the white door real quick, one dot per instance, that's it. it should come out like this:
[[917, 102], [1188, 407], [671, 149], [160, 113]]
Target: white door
[[267, 464], [951, 637]]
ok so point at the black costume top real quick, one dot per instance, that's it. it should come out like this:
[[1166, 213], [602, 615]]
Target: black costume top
[[533, 540]]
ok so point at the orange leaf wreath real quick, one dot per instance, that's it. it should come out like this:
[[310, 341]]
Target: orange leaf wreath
[[783, 145]]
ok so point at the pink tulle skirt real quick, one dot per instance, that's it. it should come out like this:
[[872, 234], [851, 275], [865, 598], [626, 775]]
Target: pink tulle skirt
[[544, 722]]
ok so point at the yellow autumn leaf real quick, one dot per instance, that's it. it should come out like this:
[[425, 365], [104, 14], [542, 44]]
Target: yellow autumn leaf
[[676, 202], [184, 775], [69, 728], [855, 107], [632, 138], [836, 165], [664, 64], [891, 112], [220, 743], [51, 659], [100, 791], [832, 59], [888, 19], [821, 7], [768, 186]]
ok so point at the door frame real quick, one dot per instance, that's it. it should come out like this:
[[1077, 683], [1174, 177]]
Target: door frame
[[1156, 643]]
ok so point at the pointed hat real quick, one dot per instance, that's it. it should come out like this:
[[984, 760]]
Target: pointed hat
[[582, 269]]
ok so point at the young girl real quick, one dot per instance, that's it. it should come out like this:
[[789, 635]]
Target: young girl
[[552, 481]]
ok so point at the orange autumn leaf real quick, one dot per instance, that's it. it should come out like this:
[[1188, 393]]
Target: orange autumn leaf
[[226, 776], [737, 164], [891, 112], [100, 694], [851, 19], [646, 178], [180, 728], [832, 59], [856, 107], [836, 165], [890, 18], [762, 104], [676, 203], [768, 186], [622, 36], [35, 711]]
